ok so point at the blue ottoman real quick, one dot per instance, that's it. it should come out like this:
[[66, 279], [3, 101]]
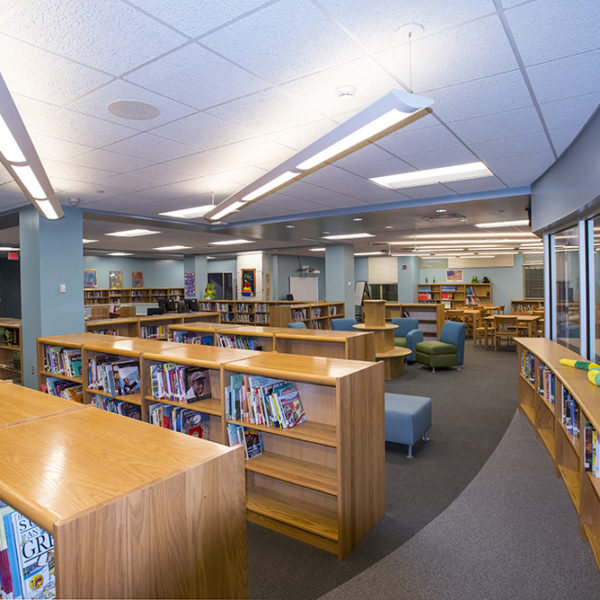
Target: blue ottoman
[[407, 418]]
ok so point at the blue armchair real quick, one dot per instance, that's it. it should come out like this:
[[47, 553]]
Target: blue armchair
[[407, 335], [343, 324], [448, 352], [297, 325]]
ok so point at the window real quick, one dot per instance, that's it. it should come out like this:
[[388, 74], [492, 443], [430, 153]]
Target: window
[[566, 255], [533, 284]]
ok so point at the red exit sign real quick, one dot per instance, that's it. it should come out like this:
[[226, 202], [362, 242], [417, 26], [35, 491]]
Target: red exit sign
[[13, 256]]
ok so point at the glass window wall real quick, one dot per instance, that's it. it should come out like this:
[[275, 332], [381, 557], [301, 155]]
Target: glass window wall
[[566, 261]]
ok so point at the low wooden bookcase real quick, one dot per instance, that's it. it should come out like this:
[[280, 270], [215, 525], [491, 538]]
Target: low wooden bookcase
[[563, 409], [11, 357]]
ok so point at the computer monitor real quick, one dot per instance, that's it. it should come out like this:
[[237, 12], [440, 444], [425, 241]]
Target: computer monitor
[[162, 305], [180, 306], [191, 305], [154, 311], [170, 305]]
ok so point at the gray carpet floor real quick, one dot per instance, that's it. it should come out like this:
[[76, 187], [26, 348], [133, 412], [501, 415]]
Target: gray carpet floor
[[472, 409], [512, 534]]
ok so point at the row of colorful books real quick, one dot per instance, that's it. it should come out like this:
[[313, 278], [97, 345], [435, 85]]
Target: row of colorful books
[[27, 568], [153, 331], [190, 337], [250, 439], [298, 314], [179, 383], [592, 451], [263, 401], [62, 361], [546, 383], [570, 413], [243, 342], [114, 375], [177, 418], [63, 388], [119, 407], [528, 366]]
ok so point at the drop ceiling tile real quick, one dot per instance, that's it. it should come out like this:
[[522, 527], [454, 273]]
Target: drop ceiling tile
[[202, 132], [74, 172], [37, 74], [278, 42], [109, 161], [96, 104], [302, 136], [530, 143], [196, 17], [371, 154], [572, 113], [151, 147], [54, 149], [567, 77], [97, 34], [562, 137], [532, 163], [197, 77], [80, 129], [408, 141], [265, 112], [485, 96], [497, 125], [441, 158], [476, 185], [370, 81], [375, 24], [561, 28]]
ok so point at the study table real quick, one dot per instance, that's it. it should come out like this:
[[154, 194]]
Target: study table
[[524, 323]]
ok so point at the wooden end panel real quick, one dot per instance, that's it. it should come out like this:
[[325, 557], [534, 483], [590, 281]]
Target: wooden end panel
[[361, 454], [181, 537]]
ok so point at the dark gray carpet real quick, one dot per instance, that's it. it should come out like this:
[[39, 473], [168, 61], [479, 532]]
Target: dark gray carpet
[[472, 409], [512, 534]]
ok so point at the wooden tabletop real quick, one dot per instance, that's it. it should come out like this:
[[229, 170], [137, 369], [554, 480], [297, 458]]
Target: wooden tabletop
[[201, 326], [395, 352], [363, 327], [60, 466], [78, 339], [211, 357], [333, 335], [130, 346]]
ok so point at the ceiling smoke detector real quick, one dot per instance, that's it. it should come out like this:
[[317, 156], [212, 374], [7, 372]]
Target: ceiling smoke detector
[[133, 110], [345, 92]]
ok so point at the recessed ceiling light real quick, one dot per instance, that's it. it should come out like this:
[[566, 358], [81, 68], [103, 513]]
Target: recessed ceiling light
[[133, 110], [389, 227], [348, 236], [188, 213], [430, 176], [231, 242], [88, 241], [120, 254], [441, 210], [172, 248], [290, 227], [132, 233], [326, 232], [211, 257], [521, 222], [357, 219], [316, 249]]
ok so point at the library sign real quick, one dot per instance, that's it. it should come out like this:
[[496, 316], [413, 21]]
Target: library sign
[[13, 256]]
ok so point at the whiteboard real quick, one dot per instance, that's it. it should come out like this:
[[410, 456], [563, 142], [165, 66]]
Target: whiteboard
[[305, 288], [359, 290]]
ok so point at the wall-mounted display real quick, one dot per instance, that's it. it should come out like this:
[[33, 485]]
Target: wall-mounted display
[[89, 278], [115, 279]]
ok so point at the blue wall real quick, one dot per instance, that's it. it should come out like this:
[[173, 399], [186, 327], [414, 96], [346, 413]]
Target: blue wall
[[408, 278], [361, 268], [157, 273], [285, 265]]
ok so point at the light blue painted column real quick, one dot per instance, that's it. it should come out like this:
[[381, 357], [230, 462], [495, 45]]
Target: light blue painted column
[[408, 278], [339, 276], [275, 287], [199, 266], [51, 257]]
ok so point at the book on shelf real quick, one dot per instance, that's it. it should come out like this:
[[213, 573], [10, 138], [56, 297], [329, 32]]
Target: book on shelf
[[29, 551], [242, 342], [114, 376], [179, 383], [180, 419], [250, 439], [63, 361], [425, 296], [570, 413], [119, 407], [63, 388], [189, 337], [592, 451], [263, 401], [9, 336]]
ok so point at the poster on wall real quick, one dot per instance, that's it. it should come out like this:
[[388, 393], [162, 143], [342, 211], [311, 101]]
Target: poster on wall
[[115, 279], [137, 279], [189, 283], [89, 278], [248, 282], [455, 275]]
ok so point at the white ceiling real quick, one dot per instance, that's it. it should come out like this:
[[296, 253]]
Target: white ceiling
[[241, 85]]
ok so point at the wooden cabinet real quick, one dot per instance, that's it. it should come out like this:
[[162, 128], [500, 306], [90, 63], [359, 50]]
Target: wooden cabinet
[[11, 357], [135, 511], [456, 295], [322, 481], [429, 315], [563, 409]]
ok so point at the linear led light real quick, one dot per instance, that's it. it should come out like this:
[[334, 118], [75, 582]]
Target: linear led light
[[120, 254], [503, 224], [8, 249], [188, 213], [132, 233], [19, 156], [270, 185], [423, 236], [394, 110], [172, 248], [347, 236], [316, 249], [227, 210], [462, 172], [84, 241], [230, 242], [376, 253]]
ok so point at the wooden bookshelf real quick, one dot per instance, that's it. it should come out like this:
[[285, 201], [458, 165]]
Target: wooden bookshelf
[[11, 356], [316, 315], [100, 480], [310, 481], [550, 416], [526, 306], [456, 295], [430, 316], [95, 296]]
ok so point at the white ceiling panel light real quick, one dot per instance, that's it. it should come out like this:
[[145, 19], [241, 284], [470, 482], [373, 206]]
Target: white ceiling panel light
[[230, 242], [84, 241], [133, 233], [316, 249], [394, 110], [120, 254], [519, 223], [19, 156], [348, 236], [188, 213], [173, 248], [462, 172]]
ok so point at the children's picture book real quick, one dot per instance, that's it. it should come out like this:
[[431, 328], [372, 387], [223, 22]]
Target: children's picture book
[[194, 423], [129, 378], [196, 383], [253, 442]]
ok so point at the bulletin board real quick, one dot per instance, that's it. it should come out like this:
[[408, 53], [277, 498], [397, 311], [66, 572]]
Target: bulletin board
[[305, 289]]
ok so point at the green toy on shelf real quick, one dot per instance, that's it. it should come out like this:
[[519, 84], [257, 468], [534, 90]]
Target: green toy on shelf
[[593, 369]]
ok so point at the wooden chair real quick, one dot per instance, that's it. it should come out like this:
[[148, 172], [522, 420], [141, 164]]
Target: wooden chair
[[479, 328], [454, 314], [505, 329]]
